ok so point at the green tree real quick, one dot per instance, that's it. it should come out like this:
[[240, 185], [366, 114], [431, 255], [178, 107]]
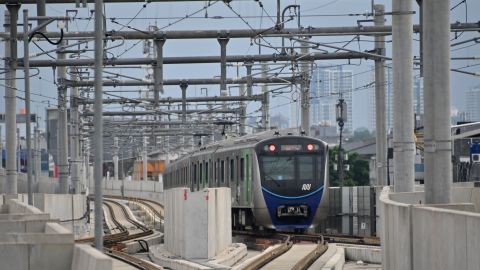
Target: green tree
[[358, 174], [362, 134]]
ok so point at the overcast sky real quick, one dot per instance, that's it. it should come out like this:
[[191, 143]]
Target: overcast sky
[[315, 13]]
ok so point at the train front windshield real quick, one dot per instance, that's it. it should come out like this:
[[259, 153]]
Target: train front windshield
[[291, 166]]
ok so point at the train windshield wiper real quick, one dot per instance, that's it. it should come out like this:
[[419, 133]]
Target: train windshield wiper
[[273, 179]]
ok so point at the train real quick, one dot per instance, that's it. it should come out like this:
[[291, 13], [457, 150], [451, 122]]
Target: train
[[278, 182]]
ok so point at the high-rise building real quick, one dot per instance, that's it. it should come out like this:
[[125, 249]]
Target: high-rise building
[[417, 98], [473, 104], [327, 85]]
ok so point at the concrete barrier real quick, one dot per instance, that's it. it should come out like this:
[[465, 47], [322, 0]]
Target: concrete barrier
[[86, 257], [369, 254], [29, 239], [418, 236], [204, 216], [337, 261]]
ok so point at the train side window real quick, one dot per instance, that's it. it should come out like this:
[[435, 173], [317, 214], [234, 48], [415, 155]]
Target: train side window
[[242, 169], [201, 173], [206, 173], [232, 170], [222, 171], [185, 176], [194, 174]]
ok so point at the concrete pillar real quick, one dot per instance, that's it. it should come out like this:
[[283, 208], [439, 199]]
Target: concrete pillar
[[11, 16], [62, 131], [305, 92], [115, 158], [144, 158], [380, 102], [75, 136], [266, 100], [437, 134], [403, 122]]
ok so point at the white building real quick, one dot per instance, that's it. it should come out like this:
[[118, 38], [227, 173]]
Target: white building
[[327, 84], [473, 104]]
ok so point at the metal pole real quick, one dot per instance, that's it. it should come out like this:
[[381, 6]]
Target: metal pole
[[26, 69], [266, 100], [115, 158], [403, 119], [145, 157], [10, 186], [62, 158], [158, 70], [305, 92], [184, 86], [380, 101], [223, 65], [340, 114], [98, 137], [436, 50], [75, 135], [249, 78], [243, 112], [37, 153], [41, 11]]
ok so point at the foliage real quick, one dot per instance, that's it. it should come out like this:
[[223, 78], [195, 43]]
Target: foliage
[[362, 134], [358, 174]]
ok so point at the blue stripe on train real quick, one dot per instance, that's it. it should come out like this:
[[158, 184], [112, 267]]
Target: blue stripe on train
[[312, 200]]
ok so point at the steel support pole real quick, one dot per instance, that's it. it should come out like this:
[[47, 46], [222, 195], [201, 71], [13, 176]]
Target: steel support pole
[[75, 136], [380, 102], [243, 112], [62, 157], [266, 100], [403, 122], [223, 65], [28, 124], [158, 71], [41, 11], [115, 158], [98, 120], [305, 92], [11, 17], [437, 137], [145, 158], [37, 154], [248, 65], [184, 87]]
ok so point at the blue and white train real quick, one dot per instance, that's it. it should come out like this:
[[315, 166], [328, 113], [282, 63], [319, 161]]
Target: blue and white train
[[277, 181]]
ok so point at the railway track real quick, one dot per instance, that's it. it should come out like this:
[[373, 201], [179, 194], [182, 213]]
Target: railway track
[[294, 253], [340, 239], [132, 260], [125, 227]]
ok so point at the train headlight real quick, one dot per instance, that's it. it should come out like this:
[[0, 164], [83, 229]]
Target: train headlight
[[272, 147], [311, 147]]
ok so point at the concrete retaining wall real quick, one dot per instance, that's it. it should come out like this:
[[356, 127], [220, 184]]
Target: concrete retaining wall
[[204, 216], [416, 236], [29, 239], [86, 257], [151, 190]]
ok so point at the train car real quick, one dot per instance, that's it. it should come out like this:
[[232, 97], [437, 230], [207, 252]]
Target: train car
[[276, 181]]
